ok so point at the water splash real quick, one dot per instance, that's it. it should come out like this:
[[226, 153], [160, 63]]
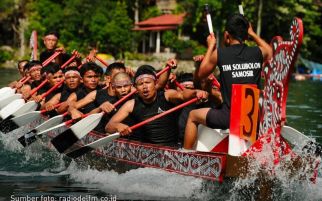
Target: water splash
[[283, 181], [143, 183]]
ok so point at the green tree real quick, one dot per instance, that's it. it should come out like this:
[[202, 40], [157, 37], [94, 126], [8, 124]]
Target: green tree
[[119, 29]]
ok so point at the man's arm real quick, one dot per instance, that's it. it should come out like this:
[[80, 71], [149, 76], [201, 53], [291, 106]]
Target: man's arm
[[163, 79], [53, 101], [115, 125], [266, 49], [176, 97], [209, 61], [89, 98]]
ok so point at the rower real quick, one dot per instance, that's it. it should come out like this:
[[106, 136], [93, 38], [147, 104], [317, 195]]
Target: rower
[[33, 68], [150, 102], [122, 85], [21, 69], [53, 73], [238, 64], [51, 41], [72, 82], [90, 73]]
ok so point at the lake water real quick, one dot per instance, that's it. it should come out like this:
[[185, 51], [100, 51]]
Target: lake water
[[37, 173]]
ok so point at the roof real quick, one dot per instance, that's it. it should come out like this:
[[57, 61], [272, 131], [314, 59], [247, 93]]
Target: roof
[[154, 28], [162, 22], [167, 19]]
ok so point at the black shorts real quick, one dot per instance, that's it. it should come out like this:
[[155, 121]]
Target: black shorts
[[218, 118]]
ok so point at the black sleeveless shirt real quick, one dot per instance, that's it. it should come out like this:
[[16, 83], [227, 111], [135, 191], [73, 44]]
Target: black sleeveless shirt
[[161, 131], [81, 93], [101, 97], [65, 94], [238, 64]]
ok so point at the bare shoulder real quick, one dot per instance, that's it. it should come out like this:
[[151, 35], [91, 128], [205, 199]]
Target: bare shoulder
[[128, 105]]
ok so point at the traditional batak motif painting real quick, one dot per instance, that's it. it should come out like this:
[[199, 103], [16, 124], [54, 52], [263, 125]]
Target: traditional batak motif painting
[[277, 73], [205, 165]]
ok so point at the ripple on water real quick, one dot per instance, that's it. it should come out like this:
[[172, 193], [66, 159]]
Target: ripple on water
[[142, 183]]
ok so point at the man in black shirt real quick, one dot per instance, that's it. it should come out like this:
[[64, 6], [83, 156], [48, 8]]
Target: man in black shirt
[[50, 42], [238, 64]]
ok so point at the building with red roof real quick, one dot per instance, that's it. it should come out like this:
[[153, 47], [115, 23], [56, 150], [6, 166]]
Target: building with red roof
[[156, 25]]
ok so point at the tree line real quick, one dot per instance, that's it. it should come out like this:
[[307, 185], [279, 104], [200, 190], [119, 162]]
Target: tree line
[[107, 25]]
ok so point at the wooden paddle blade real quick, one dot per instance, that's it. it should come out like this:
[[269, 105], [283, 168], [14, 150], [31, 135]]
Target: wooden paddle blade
[[54, 121], [8, 125], [6, 100], [26, 118], [76, 132], [93, 145], [64, 140], [79, 152], [6, 91], [301, 142], [11, 108], [28, 107], [28, 138]]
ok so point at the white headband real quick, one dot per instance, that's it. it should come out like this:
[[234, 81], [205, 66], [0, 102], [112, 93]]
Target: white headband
[[36, 67], [145, 76], [121, 83], [71, 72], [187, 83]]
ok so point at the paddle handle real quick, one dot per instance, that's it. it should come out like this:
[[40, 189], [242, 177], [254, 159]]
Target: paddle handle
[[68, 122], [52, 89], [179, 85], [22, 82], [26, 80], [55, 106], [68, 61], [23, 78], [163, 114], [240, 7], [52, 57], [102, 61], [38, 87], [211, 30], [163, 70]]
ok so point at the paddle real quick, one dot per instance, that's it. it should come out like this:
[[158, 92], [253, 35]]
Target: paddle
[[207, 11], [211, 30], [11, 91], [240, 7], [66, 139], [11, 108], [15, 106], [6, 100], [178, 85], [93, 145], [21, 120], [33, 105], [30, 136], [13, 111], [102, 61], [301, 142], [6, 92]]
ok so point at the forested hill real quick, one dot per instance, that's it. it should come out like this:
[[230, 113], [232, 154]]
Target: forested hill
[[107, 24]]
